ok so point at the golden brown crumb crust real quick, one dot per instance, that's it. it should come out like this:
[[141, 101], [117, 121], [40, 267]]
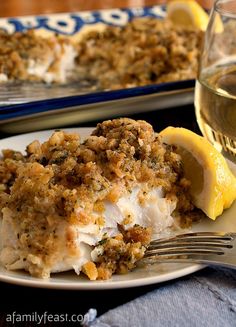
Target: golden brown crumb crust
[[121, 253], [18, 50], [145, 51]]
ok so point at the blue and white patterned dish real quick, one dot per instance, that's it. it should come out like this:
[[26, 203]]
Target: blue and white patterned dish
[[72, 23], [50, 106]]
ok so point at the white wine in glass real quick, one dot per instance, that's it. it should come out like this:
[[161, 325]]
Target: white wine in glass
[[215, 92]]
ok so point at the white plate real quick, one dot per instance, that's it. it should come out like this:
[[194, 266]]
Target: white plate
[[140, 276]]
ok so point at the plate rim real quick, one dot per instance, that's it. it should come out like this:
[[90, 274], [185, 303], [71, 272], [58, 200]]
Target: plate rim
[[104, 284]]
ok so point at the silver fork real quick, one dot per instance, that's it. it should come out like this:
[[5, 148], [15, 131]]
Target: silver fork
[[211, 248]]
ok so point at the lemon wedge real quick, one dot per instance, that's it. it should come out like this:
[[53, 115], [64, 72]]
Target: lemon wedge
[[188, 13], [213, 185]]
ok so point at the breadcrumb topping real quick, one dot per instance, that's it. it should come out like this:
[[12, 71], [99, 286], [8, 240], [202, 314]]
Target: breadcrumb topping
[[145, 51], [26, 56]]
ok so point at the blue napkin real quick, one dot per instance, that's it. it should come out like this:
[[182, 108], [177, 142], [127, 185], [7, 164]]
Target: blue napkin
[[203, 299]]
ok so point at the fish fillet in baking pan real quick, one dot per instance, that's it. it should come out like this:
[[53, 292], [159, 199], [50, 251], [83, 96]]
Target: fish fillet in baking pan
[[31, 57], [91, 206]]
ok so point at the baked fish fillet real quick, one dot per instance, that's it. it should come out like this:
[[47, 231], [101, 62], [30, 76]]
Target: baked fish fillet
[[30, 57]]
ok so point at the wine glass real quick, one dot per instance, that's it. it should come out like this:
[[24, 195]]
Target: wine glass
[[215, 92]]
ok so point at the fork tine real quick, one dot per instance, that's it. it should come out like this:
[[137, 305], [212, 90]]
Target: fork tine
[[210, 234], [193, 239], [190, 245], [182, 252], [206, 234], [208, 237], [185, 249]]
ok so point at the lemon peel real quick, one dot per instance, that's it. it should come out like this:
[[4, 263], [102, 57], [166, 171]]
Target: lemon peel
[[213, 185], [189, 13]]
